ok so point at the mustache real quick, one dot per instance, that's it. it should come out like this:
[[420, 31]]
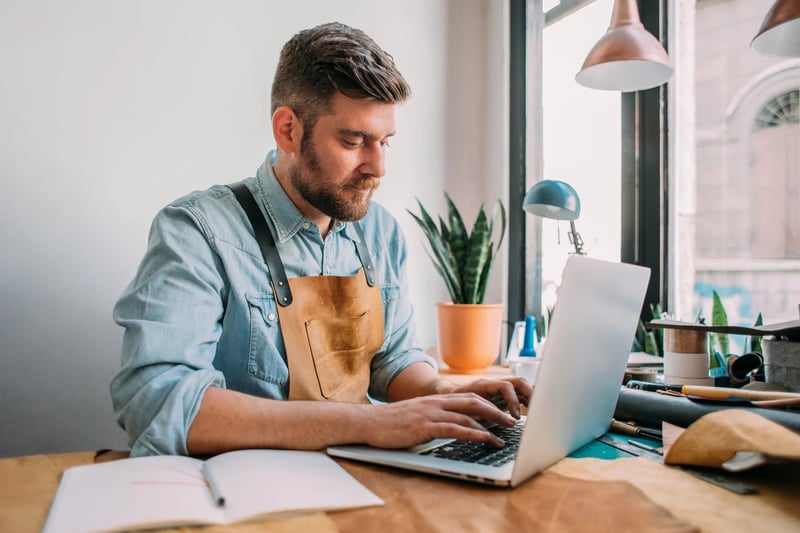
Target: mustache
[[366, 182]]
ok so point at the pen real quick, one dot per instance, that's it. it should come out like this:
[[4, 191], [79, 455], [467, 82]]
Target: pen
[[212, 485]]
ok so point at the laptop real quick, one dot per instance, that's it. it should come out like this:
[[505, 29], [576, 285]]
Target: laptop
[[583, 362]]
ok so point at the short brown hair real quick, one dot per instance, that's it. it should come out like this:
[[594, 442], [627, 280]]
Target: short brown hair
[[317, 62]]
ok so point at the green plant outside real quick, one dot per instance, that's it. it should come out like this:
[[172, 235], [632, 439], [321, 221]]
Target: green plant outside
[[719, 343], [463, 259], [646, 340]]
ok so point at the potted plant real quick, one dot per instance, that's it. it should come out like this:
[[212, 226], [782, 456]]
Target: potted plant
[[468, 330]]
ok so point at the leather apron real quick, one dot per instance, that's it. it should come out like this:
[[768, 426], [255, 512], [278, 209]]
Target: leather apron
[[331, 325]]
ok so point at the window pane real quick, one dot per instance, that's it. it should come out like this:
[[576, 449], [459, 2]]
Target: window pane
[[747, 172], [581, 143]]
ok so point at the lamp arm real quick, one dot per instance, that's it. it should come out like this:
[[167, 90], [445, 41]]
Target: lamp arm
[[575, 238]]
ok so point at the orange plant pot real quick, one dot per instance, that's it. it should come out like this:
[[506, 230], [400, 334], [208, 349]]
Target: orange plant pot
[[469, 335]]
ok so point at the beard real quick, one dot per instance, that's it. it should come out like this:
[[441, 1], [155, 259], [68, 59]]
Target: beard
[[331, 199]]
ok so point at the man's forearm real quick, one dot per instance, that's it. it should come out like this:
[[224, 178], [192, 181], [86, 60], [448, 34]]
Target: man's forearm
[[419, 379], [230, 420]]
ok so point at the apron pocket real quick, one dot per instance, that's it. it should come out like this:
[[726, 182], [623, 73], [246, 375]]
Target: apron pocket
[[339, 351]]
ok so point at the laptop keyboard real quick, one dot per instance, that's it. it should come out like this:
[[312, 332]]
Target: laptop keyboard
[[480, 452]]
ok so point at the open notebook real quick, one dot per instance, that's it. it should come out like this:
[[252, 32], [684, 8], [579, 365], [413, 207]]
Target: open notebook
[[583, 361]]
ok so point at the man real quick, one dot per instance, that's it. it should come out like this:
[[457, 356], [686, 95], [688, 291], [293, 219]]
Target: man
[[291, 285]]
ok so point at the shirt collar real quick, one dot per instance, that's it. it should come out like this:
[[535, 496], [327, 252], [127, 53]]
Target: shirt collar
[[286, 218]]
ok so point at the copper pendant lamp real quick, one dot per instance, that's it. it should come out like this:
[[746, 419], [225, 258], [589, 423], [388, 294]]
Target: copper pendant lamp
[[780, 32], [628, 57]]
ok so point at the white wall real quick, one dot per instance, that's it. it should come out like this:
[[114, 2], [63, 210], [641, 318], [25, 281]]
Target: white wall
[[109, 109]]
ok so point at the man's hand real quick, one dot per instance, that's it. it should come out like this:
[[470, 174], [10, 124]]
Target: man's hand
[[507, 393], [410, 422]]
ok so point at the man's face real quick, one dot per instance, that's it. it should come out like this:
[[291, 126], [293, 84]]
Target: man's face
[[342, 159]]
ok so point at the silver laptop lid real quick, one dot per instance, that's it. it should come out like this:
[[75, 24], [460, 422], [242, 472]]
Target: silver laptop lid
[[583, 360]]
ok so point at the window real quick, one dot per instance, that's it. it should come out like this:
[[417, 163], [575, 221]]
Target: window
[[745, 177], [581, 143], [710, 171]]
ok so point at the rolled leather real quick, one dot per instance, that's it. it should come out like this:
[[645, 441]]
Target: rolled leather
[[651, 408]]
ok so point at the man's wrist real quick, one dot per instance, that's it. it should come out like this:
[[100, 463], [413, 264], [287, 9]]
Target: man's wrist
[[442, 386]]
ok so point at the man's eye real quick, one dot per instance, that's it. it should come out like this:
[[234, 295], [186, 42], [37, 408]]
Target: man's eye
[[352, 144], [385, 144]]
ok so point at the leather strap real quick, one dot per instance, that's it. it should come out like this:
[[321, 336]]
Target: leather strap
[[366, 259], [266, 242]]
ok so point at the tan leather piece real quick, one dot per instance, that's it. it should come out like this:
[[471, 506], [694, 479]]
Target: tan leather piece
[[331, 331], [716, 437], [711, 508]]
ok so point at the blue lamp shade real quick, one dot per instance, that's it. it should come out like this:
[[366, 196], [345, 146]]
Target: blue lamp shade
[[553, 199]]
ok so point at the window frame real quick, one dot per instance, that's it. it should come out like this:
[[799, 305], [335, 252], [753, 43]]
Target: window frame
[[645, 183]]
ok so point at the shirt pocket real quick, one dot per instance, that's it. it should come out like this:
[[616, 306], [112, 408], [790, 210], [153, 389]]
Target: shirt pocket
[[390, 298], [267, 357]]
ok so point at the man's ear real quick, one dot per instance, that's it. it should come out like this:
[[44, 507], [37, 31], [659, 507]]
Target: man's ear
[[287, 130]]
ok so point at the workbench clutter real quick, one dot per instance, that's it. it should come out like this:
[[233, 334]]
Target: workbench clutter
[[779, 342], [782, 362], [753, 421], [686, 358]]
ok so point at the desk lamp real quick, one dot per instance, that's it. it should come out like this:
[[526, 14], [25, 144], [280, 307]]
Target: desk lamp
[[557, 200], [780, 32]]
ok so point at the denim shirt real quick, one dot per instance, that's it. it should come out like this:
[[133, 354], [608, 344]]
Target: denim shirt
[[200, 310]]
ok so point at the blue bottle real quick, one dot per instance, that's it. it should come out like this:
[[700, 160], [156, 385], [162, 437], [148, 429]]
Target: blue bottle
[[528, 349]]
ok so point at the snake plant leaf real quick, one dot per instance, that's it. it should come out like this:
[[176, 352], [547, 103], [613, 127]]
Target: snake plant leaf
[[447, 240], [448, 280], [484, 279], [440, 254], [462, 259], [498, 212], [426, 222], [444, 230], [477, 256], [458, 237]]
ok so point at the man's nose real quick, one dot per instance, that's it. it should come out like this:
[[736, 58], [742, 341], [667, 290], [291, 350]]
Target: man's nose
[[374, 160]]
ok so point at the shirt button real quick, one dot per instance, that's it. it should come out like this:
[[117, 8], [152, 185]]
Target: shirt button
[[271, 316], [306, 225]]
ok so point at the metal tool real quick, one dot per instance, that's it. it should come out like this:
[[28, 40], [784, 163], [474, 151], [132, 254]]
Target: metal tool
[[711, 477], [629, 428]]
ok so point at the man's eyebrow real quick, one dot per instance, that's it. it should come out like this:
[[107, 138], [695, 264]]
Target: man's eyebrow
[[344, 132]]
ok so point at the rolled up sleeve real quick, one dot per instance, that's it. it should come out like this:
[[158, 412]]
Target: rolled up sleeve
[[171, 314], [401, 348]]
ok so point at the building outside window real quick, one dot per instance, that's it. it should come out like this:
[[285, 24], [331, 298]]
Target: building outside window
[[747, 168]]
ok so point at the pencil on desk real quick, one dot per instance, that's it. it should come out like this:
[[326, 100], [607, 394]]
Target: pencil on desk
[[213, 486]]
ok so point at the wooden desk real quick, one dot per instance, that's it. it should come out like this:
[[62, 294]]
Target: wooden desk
[[624, 494]]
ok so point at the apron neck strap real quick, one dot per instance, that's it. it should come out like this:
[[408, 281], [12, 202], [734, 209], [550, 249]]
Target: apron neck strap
[[363, 253], [269, 251]]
